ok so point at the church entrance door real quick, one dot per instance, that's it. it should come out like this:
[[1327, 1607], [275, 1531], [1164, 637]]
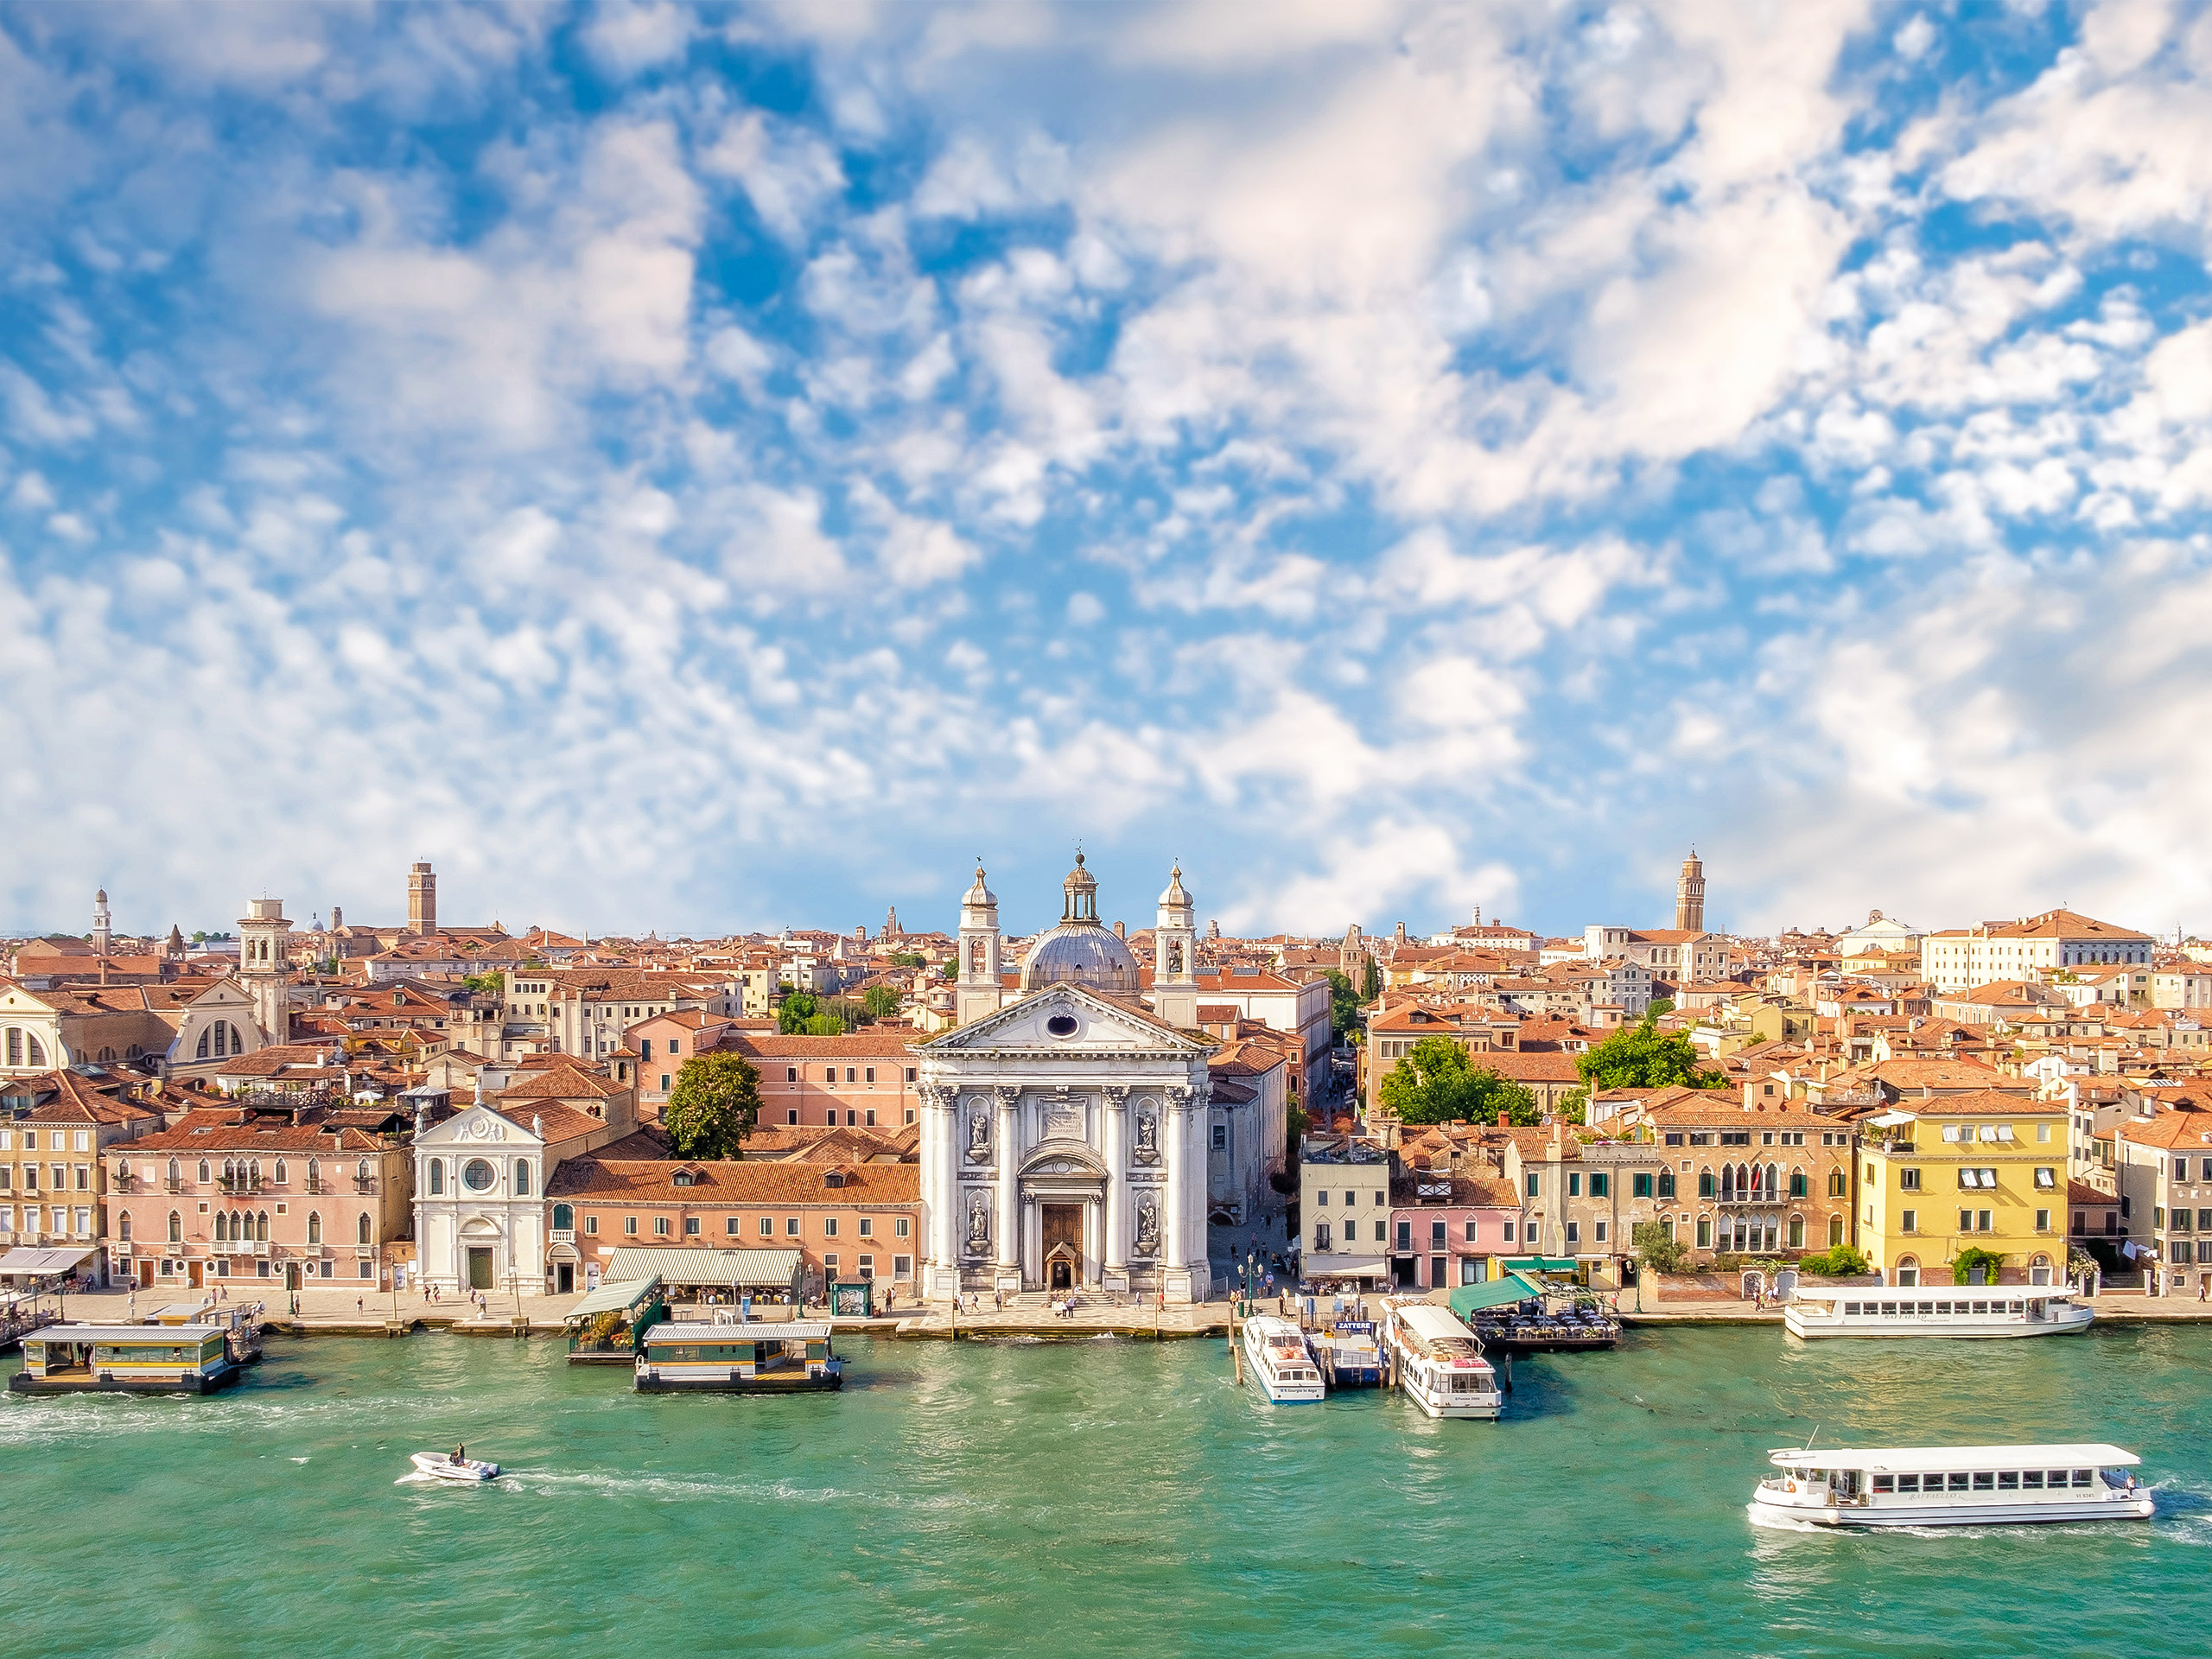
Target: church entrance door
[[1062, 1242], [479, 1268]]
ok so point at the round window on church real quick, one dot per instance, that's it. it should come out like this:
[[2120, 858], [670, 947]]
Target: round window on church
[[476, 1174], [1061, 1025]]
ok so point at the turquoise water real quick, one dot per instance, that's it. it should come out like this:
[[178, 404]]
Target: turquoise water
[[1086, 1497]]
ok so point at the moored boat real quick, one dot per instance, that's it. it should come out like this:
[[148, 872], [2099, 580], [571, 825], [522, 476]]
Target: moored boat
[[1440, 1362], [461, 1472], [1968, 1311], [738, 1356], [1349, 1355], [1275, 1352], [79, 1358], [1949, 1486]]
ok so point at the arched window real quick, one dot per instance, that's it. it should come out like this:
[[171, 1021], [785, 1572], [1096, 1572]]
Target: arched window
[[1799, 1186], [1666, 1183], [279, 1172], [1727, 1182], [2039, 1269], [361, 1169], [1705, 1183], [176, 1228], [123, 1227], [106, 1054], [256, 1169], [14, 1045], [564, 1218], [177, 1174], [437, 1176], [1796, 1232], [134, 1052], [522, 1178], [203, 1171], [361, 1229], [314, 1226], [1835, 1231], [222, 1038], [261, 1227], [1908, 1271], [1835, 1183]]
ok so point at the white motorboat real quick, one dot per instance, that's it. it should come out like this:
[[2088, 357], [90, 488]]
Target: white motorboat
[[1440, 1362], [1948, 1486], [1970, 1311], [1275, 1351], [440, 1465]]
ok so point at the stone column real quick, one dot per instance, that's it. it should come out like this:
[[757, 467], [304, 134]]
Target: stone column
[[1173, 1137], [1114, 1250], [1009, 1241]]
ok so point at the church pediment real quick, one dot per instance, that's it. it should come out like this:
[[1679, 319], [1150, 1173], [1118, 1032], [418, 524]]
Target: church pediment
[[1069, 1020], [1063, 1158], [478, 1126]]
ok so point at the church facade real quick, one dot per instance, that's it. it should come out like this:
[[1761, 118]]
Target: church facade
[[1064, 1123]]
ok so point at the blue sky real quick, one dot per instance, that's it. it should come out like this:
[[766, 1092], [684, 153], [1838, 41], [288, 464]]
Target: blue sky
[[709, 469]]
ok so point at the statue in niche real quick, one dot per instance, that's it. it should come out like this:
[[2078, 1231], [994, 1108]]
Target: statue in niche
[[979, 1223], [1148, 1147], [1147, 1225], [979, 1138]]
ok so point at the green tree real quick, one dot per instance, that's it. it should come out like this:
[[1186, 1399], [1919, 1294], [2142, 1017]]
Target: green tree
[[1657, 1250], [712, 1110], [1659, 1007], [1573, 1106], [1837, 1262], [494, 982], [1638, 1057], [1371, 982], [880, 1001], [908, 959], [795, 1010], [1436, 1083], [1344, 1005]]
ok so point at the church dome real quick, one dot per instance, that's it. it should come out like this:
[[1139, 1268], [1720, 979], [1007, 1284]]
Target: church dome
[[1081, 951]]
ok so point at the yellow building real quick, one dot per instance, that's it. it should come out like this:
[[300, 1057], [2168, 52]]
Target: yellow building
[[1983, 1171]]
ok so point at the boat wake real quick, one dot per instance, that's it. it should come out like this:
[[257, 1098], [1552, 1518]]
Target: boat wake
[[1767, 1521]]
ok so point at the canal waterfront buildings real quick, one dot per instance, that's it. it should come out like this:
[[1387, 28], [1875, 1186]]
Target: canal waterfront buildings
[[1984, 1172]]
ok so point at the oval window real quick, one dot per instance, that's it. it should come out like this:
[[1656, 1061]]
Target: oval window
[[476, 1174], [1061, 1025]]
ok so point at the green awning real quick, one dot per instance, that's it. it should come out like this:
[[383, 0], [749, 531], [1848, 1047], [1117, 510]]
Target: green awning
[[626, 1294], [679, 1267], [1541, 1264], [1472, 1298]]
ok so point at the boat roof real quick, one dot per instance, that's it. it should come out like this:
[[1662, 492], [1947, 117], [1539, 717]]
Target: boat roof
[[1427, 1320], [1877, 1293], [747, 1331], [160, 1335], [1943, 1460]]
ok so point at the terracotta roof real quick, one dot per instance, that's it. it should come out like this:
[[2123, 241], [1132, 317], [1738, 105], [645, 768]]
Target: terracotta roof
[[203, 1132], [737, 1181], [561, 1083], [1992, 1101], [896, 1047], [556, 1122]]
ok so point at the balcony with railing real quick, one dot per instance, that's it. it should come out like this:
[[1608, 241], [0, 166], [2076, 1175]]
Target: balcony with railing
[[243, 1186]]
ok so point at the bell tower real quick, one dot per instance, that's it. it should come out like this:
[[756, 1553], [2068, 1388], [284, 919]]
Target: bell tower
[[266, 936], [977, 991], [1689, 896], [422, 899], [1175, 956], [100, 933]]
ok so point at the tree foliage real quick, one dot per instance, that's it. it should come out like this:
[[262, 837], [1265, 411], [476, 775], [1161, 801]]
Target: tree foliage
[[1344, 1005], [713, 1109], [1436, 1083], [1641, 1057], [908, 959], [1837, 1262], [1657, 1250], [1964, 1263], [880, 1001], [1371, 982]]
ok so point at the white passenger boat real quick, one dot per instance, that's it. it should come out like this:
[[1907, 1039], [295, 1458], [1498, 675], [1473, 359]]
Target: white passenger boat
[[1275, 1353], [464, 1472], [733, 1355], [1949, 1486], [1976, 1310], [1440, 1362]]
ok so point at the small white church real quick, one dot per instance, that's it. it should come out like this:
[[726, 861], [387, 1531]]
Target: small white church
[[1065, 1125]]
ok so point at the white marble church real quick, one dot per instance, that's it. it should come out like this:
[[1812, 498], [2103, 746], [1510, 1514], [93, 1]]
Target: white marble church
[[1064, 1123]]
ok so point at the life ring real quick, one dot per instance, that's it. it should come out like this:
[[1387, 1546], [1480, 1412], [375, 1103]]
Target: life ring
[[1789, 1485]]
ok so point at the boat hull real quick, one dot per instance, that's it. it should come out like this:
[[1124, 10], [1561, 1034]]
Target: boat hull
[[1947, 1514], [1894, 1330], [196, 1383], [474, 1472], [829, 1384]]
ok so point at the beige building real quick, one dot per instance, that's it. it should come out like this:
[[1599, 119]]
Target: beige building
[[1961, 958]]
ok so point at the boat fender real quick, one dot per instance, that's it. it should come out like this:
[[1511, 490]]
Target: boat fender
[[1789, 1485]]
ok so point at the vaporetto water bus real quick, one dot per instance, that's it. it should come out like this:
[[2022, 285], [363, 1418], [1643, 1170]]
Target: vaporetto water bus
[[1275, 1351], [1439, 1362], [738, 1356], [1975, 1311], [126, 1359], [1949, 1486]]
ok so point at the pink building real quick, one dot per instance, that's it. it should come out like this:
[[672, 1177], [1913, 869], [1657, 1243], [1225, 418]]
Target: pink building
[[264, 1197], [1453, 1230]]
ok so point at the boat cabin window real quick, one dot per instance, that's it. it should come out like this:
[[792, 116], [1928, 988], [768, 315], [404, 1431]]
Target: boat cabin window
[[2032, 1479], [1984, 1480], [2008, 1480], [1958, 1482], [1908, 1482], [1885, 1483]]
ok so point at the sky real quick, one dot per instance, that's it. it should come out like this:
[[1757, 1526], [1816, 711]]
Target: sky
[[704, 470]]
